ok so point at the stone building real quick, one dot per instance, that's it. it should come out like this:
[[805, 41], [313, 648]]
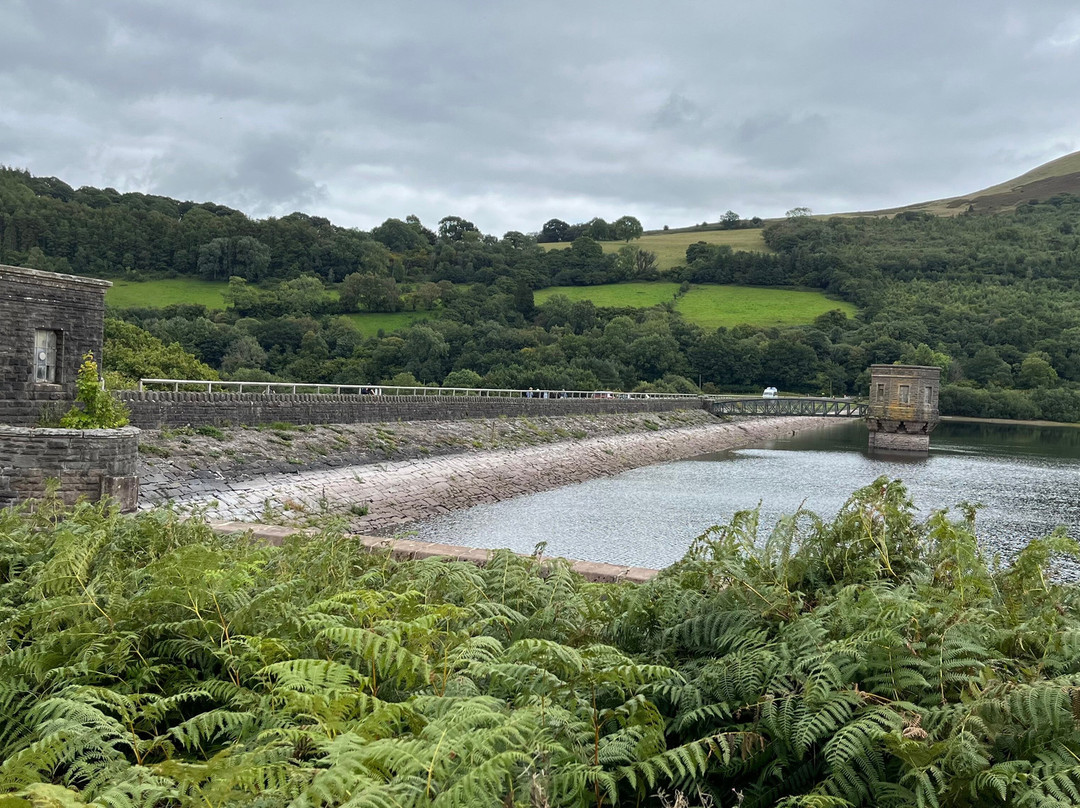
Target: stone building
[[903, 408], [48, 322]]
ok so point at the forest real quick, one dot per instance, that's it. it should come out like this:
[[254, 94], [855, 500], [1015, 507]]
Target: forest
[[873, 660], [994, 300]]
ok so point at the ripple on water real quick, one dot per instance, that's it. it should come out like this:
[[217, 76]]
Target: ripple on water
[[1026, 485]]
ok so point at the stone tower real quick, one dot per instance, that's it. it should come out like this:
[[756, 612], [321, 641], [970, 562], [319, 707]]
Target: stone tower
[[47, 322], [903, 407]]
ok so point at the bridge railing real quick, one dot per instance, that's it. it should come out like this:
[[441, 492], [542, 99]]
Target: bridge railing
[[293, 388]]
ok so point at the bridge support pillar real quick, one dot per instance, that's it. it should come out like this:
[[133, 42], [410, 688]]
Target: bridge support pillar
[[903, 408]]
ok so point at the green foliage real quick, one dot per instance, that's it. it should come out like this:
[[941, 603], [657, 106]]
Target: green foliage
[[871, 660], [996, 298], [99, 409], [134, 354]]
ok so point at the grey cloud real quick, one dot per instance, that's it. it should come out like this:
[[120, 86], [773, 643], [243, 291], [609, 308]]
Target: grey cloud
[[511, 114]]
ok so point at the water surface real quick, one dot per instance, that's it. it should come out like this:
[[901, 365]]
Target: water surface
[[1027, 479]]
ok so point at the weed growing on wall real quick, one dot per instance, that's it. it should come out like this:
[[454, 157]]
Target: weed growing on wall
[[98, 410]]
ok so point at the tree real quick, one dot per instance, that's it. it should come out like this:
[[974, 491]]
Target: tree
[[523, 298], [244, 352], [303, 295], [1036, 371], [635, 263], [554, 230], [349, 291], [463, 378], [626, 228], [730, 220], [600, 230], [399, 236], [243, 256], [378, 294], [798, 213], [923, 354], [454, 228]]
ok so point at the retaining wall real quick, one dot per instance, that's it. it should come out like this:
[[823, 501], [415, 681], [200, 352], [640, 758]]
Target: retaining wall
[[91, 463], [155, 410]]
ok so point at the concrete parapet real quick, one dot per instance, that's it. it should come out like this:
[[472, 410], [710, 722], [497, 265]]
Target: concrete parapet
[[408, 549]]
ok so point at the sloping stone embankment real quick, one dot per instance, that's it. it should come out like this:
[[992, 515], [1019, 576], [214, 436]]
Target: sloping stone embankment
[[384, 496]]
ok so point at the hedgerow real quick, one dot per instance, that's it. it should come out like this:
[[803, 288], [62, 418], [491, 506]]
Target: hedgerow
[[874, 659]]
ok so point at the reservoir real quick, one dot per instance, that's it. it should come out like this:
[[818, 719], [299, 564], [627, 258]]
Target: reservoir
[[1025, 477]]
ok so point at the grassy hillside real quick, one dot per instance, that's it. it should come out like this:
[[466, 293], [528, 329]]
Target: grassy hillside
[[1060, 176], [166, 292], [369, 324], [715, 306], [618, 295], [711, 306], [670, 248]]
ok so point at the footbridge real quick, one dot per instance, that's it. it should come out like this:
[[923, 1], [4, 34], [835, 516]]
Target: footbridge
[[835, 407]]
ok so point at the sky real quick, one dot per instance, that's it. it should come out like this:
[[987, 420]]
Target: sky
[[509, 114]]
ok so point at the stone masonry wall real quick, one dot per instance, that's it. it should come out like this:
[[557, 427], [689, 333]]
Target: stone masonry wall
[[899, 441], [71, 306], [91, 463], [155, 410], [395, 493]]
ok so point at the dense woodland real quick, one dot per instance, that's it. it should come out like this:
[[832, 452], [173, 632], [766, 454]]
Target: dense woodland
[[994, 300], [870, 661]]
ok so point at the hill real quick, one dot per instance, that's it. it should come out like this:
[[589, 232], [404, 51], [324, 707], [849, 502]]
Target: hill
[[1060, 176], [670, 246]]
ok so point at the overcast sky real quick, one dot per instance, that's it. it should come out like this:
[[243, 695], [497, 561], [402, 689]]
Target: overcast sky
[[512, 113]]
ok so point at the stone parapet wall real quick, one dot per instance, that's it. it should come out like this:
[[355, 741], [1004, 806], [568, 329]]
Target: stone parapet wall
[[155, 410], [90, 463]]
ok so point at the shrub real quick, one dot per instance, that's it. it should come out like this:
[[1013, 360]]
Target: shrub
[[99, 409]]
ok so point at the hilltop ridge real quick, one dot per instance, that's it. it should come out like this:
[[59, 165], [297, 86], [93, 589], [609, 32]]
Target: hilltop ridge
[[1058, 176]]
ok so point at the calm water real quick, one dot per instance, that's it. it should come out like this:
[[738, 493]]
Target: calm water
[[1026, 477]]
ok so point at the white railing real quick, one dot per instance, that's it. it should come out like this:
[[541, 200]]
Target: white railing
[[208, 386]]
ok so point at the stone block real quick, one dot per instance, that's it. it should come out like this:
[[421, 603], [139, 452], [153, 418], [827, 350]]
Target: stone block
[[124, 491]]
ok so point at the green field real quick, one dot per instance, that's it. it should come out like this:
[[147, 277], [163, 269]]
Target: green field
[[370, 324], [715, 306], [616, 295], [670, 248], [165, 292], [710, 306]]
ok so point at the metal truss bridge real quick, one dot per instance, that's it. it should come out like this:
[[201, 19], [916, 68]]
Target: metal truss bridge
[[834, 407]]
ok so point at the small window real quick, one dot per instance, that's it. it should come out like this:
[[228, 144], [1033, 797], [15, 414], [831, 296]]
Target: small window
[[929, 395], [45, 343], [905, 394], [881, 391]]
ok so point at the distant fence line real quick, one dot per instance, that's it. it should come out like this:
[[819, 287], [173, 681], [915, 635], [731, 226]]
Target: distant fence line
[[293, 388]]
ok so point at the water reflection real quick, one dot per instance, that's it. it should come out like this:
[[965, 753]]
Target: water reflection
[[1026, 479]]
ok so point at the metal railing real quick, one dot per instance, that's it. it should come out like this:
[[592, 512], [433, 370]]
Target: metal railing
[[294, 388]]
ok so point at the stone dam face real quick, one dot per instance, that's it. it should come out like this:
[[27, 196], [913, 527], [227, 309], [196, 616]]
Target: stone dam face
[[382, 496]]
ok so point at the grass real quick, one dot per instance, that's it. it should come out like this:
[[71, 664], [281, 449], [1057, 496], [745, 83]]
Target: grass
[[670, 248], [711, 305], [634, 295], [714, 306], [369, 324], [165, 292]]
